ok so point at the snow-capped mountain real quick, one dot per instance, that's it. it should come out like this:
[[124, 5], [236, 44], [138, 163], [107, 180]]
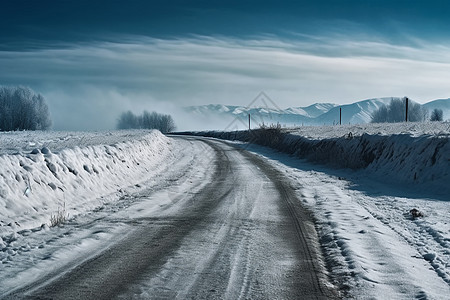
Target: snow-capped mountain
[[316, 114], [259, 115], [355, 113], [313, 110]]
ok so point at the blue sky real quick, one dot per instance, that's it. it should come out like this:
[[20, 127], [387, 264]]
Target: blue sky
[[94, 59]]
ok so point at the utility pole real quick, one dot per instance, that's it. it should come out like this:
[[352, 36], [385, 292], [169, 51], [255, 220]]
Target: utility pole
[[406, 102], [340, 115], [248, 122]]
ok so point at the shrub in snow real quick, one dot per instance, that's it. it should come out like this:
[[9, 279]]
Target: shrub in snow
[[22, 109], [396, 112], [437, 115], [267, 135]]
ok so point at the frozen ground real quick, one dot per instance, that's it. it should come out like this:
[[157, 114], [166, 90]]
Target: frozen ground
[[374, 248], [437, 129]]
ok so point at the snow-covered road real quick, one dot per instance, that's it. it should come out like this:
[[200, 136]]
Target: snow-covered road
[[218, 223]]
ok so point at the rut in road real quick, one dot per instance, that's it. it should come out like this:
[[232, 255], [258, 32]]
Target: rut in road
[[243, 236]]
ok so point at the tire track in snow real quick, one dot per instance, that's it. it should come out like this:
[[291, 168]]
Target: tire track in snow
[[249, 246], [302, 220]]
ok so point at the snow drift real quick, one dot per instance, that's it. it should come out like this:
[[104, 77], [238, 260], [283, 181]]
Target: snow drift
[[35, 184], [398, 157]]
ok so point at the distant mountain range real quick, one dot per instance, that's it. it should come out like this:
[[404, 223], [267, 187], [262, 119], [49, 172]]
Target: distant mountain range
[[316, 114]]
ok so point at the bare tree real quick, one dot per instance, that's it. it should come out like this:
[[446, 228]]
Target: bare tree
[[128, 120], [166, 123], [380, 115]]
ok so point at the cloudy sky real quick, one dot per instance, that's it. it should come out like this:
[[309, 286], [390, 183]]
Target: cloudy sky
[[92, 59]]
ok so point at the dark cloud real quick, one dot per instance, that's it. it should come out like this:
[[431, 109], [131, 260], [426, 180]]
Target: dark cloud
[[29, 24]]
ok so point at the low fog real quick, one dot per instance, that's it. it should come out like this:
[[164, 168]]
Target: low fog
[[100, 110]]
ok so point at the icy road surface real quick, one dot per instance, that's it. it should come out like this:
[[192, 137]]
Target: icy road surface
[[220, 223]]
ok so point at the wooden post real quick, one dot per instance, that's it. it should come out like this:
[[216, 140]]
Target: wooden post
[[406, 101], [340, 115], [249, 122]]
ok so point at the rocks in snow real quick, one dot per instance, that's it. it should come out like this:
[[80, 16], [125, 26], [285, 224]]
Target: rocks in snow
[[415, 213], [429, 256]]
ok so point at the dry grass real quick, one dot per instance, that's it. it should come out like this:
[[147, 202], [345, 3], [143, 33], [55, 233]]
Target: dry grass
[[60, 217]]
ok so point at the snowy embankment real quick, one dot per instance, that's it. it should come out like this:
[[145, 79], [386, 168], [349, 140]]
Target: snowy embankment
[[398, 158], [42, 173], [413, 153]]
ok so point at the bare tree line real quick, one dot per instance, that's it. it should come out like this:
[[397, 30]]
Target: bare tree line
[[395, 111], [153, 120], [22, 109]]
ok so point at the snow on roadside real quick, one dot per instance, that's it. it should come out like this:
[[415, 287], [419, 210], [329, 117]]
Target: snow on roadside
[[373, 246], [36, 183], [401, 158], [417, 154]]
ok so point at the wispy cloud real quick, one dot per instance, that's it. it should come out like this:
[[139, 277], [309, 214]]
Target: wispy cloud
[[147, 73]]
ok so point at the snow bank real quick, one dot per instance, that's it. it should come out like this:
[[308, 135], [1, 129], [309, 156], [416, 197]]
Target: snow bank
[[411, 153], [424, 159], [35, 184]]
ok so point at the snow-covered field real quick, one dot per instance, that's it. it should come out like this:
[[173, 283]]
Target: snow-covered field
[[415, 129], [373, 246]]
